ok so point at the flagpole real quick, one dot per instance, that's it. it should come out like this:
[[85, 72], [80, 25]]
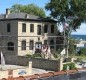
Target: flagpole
[[66, 48], [64, 33]]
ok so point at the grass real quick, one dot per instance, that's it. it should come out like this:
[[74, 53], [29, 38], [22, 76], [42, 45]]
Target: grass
[[80, 57]]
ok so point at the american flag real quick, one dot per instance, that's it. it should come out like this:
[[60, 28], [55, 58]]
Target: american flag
[[65, 26]]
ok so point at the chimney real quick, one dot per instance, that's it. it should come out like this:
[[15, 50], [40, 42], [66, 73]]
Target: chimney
[[7, 11], [26, 16]]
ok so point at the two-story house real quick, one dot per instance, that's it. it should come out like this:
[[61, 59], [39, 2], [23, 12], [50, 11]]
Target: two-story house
[[22, 33]]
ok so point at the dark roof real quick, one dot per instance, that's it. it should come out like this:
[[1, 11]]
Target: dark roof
[[18, 15], [23, 16]]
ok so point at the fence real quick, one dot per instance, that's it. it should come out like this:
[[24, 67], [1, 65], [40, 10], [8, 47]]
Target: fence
[[54, 65]]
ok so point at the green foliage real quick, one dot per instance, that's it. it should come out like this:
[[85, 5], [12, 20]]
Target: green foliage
[[29, 56], [71, 66], [62, 9], [37, 55], [55, 54], [72, 47], [30, 9], [82, 52]]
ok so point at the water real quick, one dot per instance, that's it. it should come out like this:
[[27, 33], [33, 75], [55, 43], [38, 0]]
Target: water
[[79, 37]]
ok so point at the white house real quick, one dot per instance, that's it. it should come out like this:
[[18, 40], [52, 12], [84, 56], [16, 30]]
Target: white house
[[22, 33]]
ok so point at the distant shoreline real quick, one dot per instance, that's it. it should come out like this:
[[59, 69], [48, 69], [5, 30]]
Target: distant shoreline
[[79, 37]]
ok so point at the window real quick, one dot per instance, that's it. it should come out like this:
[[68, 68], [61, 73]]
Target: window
[[23, 27], [39, 30], [8, 27], [10, 46], [52, 43], [45, 28], [31, 45], [52, 28], [23, 45], [31, 27], [45, 42]]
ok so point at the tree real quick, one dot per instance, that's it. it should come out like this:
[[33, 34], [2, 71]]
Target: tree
[[62, 9], [30, 9], [72, 47], [82, 52]]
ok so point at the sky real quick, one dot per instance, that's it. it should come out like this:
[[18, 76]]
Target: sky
[[41, 3], [81, 30], [8, 3]]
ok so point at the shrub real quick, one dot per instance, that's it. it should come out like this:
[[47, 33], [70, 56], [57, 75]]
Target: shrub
[[29, 55], [34, 55], [71, 66], [82, 52]]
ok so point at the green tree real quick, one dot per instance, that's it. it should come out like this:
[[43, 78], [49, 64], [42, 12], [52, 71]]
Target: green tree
[[71, 66], [72, 47], [30, 9], [62, 9], [82, 52]]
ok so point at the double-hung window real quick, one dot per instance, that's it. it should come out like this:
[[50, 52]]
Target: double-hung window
[[31, 27], [23, 27]]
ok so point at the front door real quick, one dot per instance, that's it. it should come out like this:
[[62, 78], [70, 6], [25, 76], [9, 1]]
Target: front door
[[38, 47]]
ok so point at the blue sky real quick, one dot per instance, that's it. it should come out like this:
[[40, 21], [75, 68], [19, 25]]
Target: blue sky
[[8, 3], [81, 30], [41, 3]]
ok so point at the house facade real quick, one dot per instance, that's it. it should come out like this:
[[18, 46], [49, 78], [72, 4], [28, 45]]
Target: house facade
[[22, 33]]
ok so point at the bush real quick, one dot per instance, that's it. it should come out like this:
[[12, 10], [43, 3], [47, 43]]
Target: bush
[[29, 55], [34, 55], [71, 66], [82, 52]]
